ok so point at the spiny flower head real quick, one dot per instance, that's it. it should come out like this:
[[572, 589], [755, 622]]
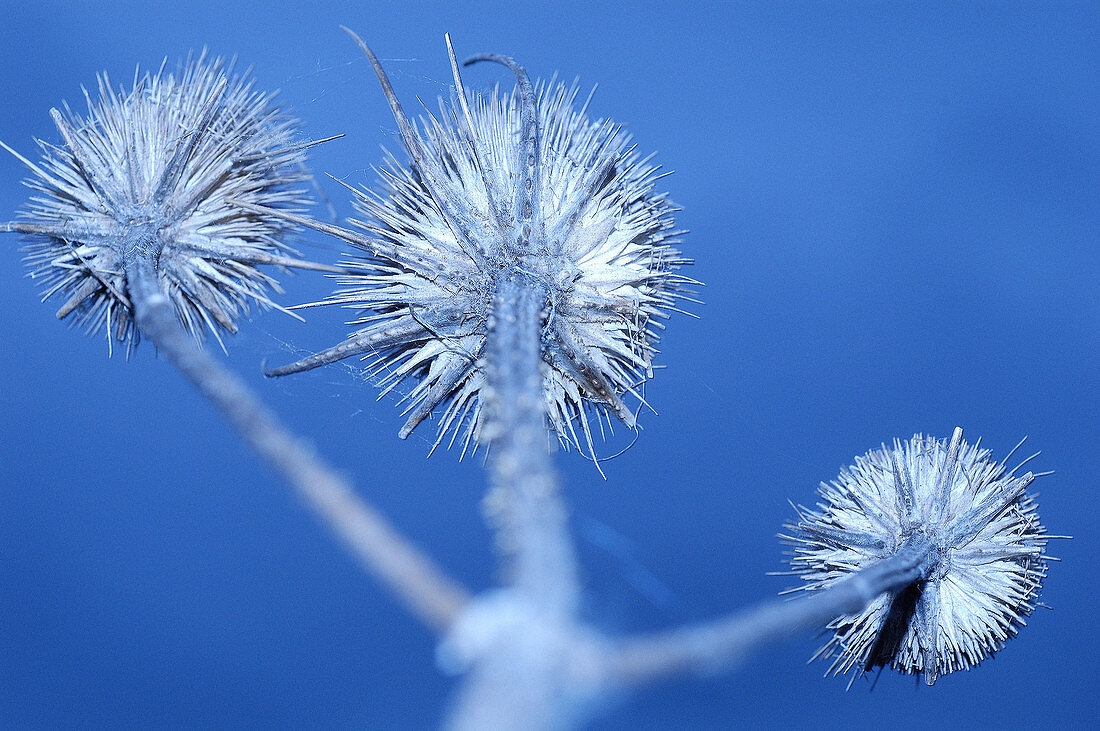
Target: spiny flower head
[[521, 183], [158, 172], [989, 569]]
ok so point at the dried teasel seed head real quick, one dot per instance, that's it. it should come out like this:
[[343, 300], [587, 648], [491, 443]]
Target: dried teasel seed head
[[510, 184], [989, 555], [158, 172]]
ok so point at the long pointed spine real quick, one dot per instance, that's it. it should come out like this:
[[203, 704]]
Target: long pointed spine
[[477, 146], [174, 170], [356, 345], [525, 193], [462, 226]]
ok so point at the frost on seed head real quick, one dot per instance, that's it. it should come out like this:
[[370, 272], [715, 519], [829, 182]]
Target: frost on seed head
[[990, 562], [519, 183], [166, 164]]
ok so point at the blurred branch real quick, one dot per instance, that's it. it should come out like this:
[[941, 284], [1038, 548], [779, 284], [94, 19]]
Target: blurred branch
[[726, 641], [416, 580]]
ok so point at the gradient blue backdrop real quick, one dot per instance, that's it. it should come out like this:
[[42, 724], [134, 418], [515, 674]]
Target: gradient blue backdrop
[[893, 206]]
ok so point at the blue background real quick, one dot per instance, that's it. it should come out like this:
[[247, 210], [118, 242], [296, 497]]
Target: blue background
[[894, 209]]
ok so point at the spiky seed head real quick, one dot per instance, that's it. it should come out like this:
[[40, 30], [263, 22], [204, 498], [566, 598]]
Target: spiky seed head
[[991, 555], [174, 156], [522, 182]]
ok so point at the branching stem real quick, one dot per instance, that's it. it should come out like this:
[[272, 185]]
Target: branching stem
[[424, 589], [723, 642]]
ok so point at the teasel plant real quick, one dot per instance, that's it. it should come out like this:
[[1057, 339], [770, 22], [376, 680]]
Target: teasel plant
[[945, 512], [518, 268], [138, 224]]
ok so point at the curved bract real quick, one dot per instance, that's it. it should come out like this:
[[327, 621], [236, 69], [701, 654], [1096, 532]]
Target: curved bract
[[521, 184], [157, 172]]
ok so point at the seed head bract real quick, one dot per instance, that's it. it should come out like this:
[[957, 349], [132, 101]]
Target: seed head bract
[[989, 546], [520, 182], [173, 155]]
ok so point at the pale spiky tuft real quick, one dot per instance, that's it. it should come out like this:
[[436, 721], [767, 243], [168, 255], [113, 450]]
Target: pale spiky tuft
[[520, 184], [988, 544], [171, 157]]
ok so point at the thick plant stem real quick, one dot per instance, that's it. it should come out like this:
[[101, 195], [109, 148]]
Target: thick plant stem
[[717, 644], [424, 589], [523, 680], [525, 499]]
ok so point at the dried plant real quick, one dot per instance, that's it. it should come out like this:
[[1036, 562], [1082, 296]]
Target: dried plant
[[144, 228], [522, 186], [974, 520], [142, 187], [517, 266]]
